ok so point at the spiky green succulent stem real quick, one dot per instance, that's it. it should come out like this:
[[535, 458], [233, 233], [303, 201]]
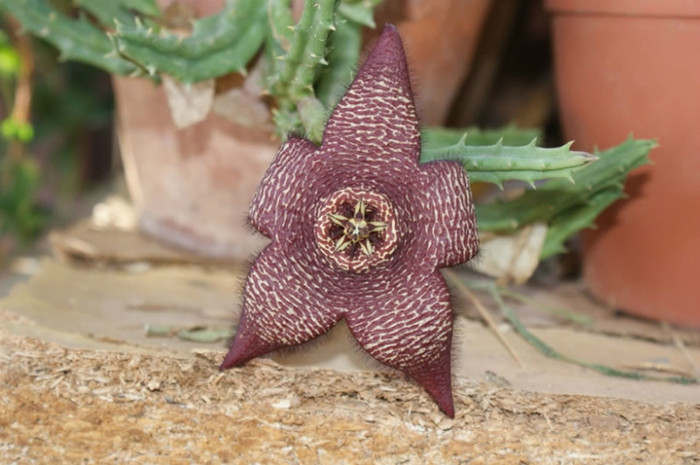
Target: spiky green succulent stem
[[436, 137], [76, 39], [108, 12], [498, 162], [219, 44], [568, 207]]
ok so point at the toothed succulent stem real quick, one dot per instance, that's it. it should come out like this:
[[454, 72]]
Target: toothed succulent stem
[[310, 63], [219, 44], [498, 162], [108, 12], [76, 39], [344, 52], [435, 137], [570, 221], [307, 53], [568, 207], [296, 54]]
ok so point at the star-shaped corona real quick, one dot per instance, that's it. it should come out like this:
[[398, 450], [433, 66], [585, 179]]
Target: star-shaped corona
[[359, 230]]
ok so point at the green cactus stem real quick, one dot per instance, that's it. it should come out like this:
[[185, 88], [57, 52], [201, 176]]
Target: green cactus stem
[[497, 163], [437, 137], [280, 33], [307, 52], [292, 74], [109, 11], [344, 48], [76, 39], [558, 196], [309, 68], [570, 221], [219, 44], [344, 52]]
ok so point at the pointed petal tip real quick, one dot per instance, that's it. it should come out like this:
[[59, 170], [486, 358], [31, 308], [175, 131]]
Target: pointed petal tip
[[389, 48], [443, 398], [390, 33], [242, 350], [389, 29], [441, 394], [230, 361], [437, 381], [448, 407]]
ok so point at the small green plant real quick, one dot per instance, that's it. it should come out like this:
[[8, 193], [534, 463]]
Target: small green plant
[[19, 175]]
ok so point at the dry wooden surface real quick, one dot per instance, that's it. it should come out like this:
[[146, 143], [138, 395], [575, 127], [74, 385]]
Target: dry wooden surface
[[62, 405]]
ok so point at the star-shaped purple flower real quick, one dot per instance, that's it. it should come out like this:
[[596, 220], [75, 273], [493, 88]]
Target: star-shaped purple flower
[[359, 230]]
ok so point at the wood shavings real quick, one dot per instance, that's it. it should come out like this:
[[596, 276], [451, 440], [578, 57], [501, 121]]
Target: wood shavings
[[72, 406]]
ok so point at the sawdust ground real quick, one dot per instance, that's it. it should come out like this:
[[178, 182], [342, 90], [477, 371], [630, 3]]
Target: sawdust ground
[[60, 405]]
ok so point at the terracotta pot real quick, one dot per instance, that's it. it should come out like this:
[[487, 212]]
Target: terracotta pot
[[191, 187], [633, 66], [440, 39]]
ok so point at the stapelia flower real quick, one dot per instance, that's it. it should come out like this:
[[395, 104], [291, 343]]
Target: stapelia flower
[[359, 230]]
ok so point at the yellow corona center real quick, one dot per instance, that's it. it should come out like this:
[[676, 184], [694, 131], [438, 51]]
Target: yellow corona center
[[356, 229]]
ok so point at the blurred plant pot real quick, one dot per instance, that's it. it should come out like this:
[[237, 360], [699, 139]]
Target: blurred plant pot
[[633, 66], [191, 187], [440, 38]]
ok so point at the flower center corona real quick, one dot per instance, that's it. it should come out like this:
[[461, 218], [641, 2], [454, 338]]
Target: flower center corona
[[356, 229]]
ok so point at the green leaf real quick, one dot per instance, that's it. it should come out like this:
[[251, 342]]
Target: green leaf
[[17, 130], [9, 61], [549, 351]]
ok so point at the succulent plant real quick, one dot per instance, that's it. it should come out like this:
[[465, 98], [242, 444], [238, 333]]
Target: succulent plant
[[568, 206], [361, 215]]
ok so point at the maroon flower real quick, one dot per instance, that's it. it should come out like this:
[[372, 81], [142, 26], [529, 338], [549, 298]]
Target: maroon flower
[[359, 230]]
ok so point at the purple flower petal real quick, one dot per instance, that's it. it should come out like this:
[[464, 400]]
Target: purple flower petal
[[376, 118], [405, 322]]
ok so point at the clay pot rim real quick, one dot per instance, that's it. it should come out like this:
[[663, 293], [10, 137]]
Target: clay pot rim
[[688, 9]]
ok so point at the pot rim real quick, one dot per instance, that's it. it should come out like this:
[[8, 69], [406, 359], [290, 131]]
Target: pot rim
[[689, 9]]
